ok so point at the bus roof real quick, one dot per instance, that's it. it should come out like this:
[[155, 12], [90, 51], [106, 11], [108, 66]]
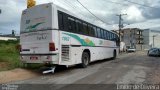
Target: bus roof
[[70, 13]]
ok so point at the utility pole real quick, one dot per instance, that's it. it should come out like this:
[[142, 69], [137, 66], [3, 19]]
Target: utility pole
[[120, 27]]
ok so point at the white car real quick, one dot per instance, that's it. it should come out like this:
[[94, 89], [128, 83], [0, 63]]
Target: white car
[[131, 50]]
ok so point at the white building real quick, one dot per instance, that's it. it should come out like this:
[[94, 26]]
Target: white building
[[151, 38], [6, 38]]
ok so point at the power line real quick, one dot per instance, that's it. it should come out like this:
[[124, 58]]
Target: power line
[[72, 6], [116, 3], [92, 13], [75, 7], [140, 4]]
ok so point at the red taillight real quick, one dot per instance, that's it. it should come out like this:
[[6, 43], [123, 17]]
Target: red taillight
[[52, 47], [19, 47]]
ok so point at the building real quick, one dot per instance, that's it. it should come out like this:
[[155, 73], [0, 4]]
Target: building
[[9, 36], [6, 38], [132, 37], [151, 38]]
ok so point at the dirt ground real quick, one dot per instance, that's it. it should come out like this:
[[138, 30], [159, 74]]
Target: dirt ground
[[132, 68], [16, 74]]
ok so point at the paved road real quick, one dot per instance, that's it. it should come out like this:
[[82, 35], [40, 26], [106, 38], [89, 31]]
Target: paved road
[[133, 68]]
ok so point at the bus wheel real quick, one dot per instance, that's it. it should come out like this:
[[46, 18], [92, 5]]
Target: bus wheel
[[85, 60], [114, 54]]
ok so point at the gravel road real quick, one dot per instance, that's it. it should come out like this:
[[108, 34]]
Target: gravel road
[[132, 68]]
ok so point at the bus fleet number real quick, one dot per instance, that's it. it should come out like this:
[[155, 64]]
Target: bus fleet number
[[65, 38]]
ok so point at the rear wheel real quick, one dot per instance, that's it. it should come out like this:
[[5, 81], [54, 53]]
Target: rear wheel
[[114, 54], [85, 60]]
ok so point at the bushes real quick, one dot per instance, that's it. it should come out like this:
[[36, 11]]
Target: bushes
[[9, 54]]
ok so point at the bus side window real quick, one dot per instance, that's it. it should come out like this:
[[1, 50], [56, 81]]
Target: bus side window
[[109, 35], [71, 24], [112, 37], [60, 21], [92, 31], [85, 30], [99, 32], [95, 31], [105, 34], [79, 26], [89, 30], [65, 22], [102, 34]]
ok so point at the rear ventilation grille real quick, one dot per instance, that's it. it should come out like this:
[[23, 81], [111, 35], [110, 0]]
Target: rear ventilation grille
[[65, 52]]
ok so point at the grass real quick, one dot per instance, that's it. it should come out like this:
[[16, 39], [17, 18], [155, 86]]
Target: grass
[[9, 55], [10, 58]]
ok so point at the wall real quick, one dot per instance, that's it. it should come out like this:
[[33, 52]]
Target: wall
[[148, 38], [7, 38]]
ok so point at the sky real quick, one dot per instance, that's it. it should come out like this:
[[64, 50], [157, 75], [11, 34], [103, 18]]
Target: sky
[[138, 16]]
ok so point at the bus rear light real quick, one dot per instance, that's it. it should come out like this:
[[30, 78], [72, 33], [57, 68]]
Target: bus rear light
[[52, 47]]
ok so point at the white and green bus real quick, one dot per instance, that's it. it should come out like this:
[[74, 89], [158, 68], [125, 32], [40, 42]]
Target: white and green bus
[[52, 35]]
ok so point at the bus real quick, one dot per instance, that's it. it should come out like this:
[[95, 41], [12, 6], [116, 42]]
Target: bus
[[52, 35]]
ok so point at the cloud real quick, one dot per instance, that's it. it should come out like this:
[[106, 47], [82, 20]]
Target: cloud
[[10, 16], [104, 9], [133, 14], [151, 24]]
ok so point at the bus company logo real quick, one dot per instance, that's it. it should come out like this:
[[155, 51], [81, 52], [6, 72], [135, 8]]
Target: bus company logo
[[85, 42], [33, 27]]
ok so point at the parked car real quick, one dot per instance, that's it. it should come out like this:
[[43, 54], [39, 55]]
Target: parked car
[[154, 52], [131, 50]]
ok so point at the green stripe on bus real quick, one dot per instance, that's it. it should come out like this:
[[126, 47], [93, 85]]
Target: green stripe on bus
[[85, 42]]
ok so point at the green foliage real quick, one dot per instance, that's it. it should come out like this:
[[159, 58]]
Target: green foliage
[[9, 54]]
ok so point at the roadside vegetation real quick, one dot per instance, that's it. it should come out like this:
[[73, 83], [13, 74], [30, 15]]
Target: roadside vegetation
[[9, 55], [10, 58]]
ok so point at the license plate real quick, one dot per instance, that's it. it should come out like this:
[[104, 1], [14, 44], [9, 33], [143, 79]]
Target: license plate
[[33, 58]]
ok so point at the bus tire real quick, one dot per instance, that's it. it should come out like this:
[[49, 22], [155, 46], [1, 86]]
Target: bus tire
[[85, 60], [114, 55]]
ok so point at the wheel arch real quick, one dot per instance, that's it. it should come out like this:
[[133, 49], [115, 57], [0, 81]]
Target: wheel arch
[[88, 51]]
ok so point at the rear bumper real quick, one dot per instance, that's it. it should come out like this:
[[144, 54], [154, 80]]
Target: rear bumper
[[40, 58]]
